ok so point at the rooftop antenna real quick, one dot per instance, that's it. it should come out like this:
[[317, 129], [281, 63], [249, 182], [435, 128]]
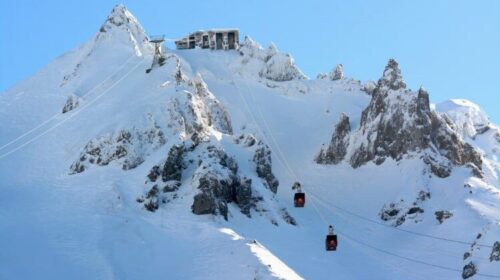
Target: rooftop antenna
[[158, 58]]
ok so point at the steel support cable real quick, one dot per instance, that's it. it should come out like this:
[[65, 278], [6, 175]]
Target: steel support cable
[[71, 116], [57, 114]]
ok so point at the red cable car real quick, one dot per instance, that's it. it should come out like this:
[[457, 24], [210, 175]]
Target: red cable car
[[299, 199], [331, 240]]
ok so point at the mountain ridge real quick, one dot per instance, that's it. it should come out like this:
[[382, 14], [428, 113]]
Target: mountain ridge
[[225, 135]]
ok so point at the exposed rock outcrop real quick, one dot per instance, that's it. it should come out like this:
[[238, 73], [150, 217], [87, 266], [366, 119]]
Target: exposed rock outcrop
[[321, 76], [337, 149], [337, 73], [400, 212], [276, 66], [247, 140], [469, 270], [262, 159], [495, 252], [397, 122], [391, 78], [197, 112], [165, 179], [127, 147], [71, 103], [443, 215], [219, 183]]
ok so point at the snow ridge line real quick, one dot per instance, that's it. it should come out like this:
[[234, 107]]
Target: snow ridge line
[[74, 114], [57, 114]]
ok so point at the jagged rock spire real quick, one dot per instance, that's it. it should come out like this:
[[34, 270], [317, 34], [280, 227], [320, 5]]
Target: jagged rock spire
[[337, 73], [392, 78], [337, 149]]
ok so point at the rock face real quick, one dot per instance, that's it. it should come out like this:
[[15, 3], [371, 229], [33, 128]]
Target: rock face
[[71, 103], [443, 215], [397, 122], [198, 112], [495, 252], [469, 270], [127, 147], [337, 149], [391, 78], [165, 178], [400, 212], [337, 73], [262, 159], [219, 183], [275, 65]]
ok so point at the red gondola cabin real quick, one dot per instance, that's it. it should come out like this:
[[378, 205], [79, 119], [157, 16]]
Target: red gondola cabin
[[331, 242], [299, 199]]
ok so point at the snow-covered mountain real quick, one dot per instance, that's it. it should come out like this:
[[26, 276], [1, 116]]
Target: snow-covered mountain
[[185, 172]]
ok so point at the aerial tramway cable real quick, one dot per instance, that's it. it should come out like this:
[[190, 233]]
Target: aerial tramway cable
[[58, 114], [282, 158], [288, 166], [77, 111]]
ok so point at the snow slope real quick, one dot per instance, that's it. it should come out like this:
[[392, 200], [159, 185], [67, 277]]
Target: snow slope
[[89, 225]]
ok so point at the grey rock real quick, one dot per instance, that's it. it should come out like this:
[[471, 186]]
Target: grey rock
[[415, 210], [152, 202], [442, 169], [337, 73], [321, 76], [168, 176], [71, 103], [287, 217], [248, 140], [469, 270], [203, 204], [443, 215], [397, 122], [392, 78], [243, 195], [262, 160], [495, 252], [172, 169], [276, 66], [128, 147], [337, 149], [219, 183], [195, 113]]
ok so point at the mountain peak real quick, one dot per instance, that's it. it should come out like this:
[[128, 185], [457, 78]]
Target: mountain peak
[[392, 78], [119, 16], [124, 27]]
